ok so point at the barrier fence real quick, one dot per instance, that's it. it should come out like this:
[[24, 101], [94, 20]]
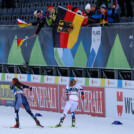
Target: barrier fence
[[103, 97]]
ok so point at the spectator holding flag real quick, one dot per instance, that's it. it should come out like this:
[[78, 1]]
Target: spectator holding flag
[[41, 20]]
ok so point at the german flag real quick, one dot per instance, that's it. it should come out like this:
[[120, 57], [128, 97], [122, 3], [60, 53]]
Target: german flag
[[22, 23], [66, 28], [19, 42]]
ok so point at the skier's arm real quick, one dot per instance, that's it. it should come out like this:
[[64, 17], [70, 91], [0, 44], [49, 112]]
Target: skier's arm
[[82, 93], [67, 96], [25, 86]]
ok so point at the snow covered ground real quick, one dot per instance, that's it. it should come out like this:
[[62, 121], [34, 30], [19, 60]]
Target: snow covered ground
[[85, 124]]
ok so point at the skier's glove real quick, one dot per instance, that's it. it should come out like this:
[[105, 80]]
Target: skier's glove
[[82, 97], [67, 97]]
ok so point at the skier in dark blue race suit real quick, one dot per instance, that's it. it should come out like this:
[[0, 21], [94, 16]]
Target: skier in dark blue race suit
[[20, 99]]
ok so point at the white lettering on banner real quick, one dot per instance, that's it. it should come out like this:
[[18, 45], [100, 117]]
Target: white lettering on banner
[[63, 98], [91, 104], [95, 45], [42, 96]]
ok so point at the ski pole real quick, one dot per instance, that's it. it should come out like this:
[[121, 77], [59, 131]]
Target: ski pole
[[32, 100], [28, 38], [92, 99]]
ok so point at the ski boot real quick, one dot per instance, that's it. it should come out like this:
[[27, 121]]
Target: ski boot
[[73, 122], [17, 124], [37, 122], [61, 123]]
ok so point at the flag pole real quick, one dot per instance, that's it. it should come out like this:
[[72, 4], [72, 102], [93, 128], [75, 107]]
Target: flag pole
[[29, 38]]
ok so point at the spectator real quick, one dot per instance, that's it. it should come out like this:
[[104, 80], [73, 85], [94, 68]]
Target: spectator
[[52, 16], [69, 7], [89, 12], [41, 20], [106, 16], [77, 11], [100, 2]]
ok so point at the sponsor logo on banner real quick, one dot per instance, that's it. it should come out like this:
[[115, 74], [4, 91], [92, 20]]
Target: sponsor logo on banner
[[64, 80], [94, 82], [35, 78], [22, 77], [80, 81], [43, 96], [120, 103], [95, 44], [6, 93], [9, 102], [111, 83], [119, 100], [128, 84], [94, 104], [49, 79], [9, 77]]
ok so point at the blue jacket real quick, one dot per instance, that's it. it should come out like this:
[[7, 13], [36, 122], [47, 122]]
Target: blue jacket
[[110, 15]]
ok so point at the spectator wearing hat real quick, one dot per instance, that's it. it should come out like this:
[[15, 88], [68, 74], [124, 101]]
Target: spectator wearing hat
[[41, 20], [52, 16], [89, 12], [69, 7], [77, 11], [101, 2], [106, 16]]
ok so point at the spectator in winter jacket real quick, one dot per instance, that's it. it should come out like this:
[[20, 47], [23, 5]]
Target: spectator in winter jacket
[[51, 17], [41, 20], [69, 7], [90, 10], [106, 16], [77, 11]]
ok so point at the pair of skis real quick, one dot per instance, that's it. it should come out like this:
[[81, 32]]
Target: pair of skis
[[20, 128]]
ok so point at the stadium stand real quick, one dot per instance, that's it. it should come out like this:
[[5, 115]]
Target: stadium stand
[[25, 8]]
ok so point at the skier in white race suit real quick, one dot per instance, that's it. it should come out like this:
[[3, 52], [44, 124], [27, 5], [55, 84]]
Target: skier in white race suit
[[72, 101]]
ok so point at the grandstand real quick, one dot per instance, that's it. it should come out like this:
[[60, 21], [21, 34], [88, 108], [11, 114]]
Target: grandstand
[[24, 9]]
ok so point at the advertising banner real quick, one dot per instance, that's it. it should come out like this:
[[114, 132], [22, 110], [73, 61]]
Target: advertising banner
[[42, 96], [119, 103], [93, 104], [96, 47]]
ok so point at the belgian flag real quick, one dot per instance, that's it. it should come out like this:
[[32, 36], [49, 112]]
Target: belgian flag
[[66, 28]]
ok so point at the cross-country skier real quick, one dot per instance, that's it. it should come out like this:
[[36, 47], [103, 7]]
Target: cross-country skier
[[20, 99], [72, 101]]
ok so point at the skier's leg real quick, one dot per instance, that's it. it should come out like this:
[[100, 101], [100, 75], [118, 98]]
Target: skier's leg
[[66, 109], [26, 106], [73, 108]]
